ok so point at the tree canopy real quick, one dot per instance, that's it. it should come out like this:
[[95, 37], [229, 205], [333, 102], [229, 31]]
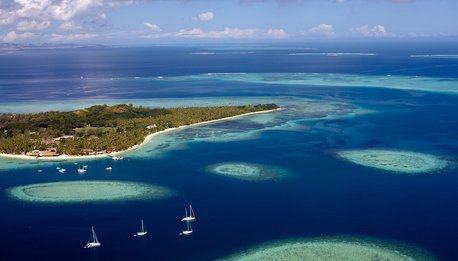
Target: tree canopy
[[102, 127]]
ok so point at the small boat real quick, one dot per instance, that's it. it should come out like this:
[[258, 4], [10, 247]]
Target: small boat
[[143, 232], [116, 158], [58, 168], [109, 168], [93, 241], [62, 170], [191, 216], [188, 230], [82, 170]]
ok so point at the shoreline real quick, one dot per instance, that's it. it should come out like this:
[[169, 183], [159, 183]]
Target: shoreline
[[149, 137]]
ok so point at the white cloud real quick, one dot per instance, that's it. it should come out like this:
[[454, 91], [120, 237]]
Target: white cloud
[[20, 16], [69, 26], [204, 17], [118, 3], [67, 9], [102, 16], [6, 17], [32, 25], [154, 36], [235, 33], [35, 9], [195, 32], [153, 27], [13, 36], [281, 2], [376, 31], [324, 29], [226, 33], [10, 37], [276, 33], [71, 37], [47, 10]]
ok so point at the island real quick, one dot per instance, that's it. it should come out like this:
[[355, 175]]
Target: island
[[102, 129]]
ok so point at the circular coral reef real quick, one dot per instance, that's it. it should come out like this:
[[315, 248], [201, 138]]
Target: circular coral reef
[[88, 191], [333, 248], [394, 160], [248, 171]]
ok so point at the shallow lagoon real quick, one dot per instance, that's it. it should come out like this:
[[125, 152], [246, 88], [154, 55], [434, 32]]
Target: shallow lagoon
[[248, 171], [419, 83], [88, 191], [333, 249], [408, 162], [296, 110]]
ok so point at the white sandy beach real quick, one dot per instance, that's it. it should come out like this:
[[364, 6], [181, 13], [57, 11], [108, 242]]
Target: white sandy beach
[[145, 141]]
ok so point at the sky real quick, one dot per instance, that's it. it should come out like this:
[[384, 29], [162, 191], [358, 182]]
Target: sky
[[181, 21]]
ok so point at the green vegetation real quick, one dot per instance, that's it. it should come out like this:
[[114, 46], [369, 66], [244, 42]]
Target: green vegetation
[[101, 128]]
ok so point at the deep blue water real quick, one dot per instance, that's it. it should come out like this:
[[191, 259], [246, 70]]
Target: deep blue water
[[325, 195]]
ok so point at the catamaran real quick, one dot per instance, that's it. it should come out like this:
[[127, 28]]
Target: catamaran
[[191, 216], [188, 230], [93, 242], [143, 232], [82, 170]]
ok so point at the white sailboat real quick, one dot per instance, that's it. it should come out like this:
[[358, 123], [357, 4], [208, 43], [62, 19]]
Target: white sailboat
[[82, 170], [191, 216], [93, 242], [143, 232], [188, 230]]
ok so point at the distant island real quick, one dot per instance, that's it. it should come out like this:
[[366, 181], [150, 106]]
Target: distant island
[[102, 129], [9, 47]]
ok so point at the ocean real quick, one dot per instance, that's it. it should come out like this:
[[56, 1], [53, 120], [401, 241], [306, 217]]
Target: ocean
[[337, 96]]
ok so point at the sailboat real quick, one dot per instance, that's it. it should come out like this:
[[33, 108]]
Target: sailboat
[[82, 170], [143, 232], [188, 230], [93, 242], [191, 216]]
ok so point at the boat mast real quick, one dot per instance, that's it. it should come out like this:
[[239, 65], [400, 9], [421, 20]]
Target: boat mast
[[191, 212], [94, 236]]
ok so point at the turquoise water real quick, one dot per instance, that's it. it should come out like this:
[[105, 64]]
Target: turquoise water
[[388, 101]]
